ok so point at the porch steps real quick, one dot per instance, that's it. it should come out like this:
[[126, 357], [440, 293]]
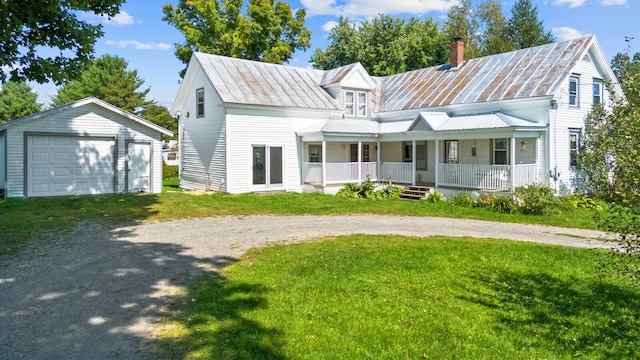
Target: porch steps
[[415, 192]]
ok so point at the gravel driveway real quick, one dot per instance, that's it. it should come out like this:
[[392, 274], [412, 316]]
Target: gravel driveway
[[94, 293]]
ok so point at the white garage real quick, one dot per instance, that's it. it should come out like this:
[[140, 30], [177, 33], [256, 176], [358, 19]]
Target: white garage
[[87, 147]]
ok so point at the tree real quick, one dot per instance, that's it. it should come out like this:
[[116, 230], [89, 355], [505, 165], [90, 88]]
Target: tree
[[462, 23], [609, 158], [31, 28], [625, 67], [493, 40], [523, 29], [17, 100], [108, 79], [269, 32], [160, 115], [385, 45]]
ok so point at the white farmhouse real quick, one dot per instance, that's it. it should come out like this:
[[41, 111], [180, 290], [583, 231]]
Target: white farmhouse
[[492, 123]]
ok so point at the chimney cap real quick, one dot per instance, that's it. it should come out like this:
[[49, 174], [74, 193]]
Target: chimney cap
[[457, 39]]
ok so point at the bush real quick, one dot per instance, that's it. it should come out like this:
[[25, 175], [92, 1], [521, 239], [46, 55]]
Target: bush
[[504, 203], [484, 201], [169, 171], [537, 200], [463, 199], [579, 200], [367, 190], [435, 197]]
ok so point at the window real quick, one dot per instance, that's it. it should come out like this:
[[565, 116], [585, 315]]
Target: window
[[500, 152], [355, 101], [574, 96], [451, 151], [267, 165], [315, 153], [200, 103], [353, 153], [421, 155], [349, 101], [407, 152], [362, 104], [597, 91], [574, 146]]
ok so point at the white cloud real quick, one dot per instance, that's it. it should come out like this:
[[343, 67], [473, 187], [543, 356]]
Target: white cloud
[[120, 19], [139, 45], [572, 3], [567, 33], [613, 2], [368, 8], [329, 25]]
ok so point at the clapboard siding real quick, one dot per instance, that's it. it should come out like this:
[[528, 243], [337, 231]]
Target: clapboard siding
[[89, 119], [203, 141], [2, 161]]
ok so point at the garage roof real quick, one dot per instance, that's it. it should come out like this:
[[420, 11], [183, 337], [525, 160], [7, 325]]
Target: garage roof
[[83, 102]]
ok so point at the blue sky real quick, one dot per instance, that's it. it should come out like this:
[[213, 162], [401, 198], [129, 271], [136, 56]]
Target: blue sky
[[139, 35]]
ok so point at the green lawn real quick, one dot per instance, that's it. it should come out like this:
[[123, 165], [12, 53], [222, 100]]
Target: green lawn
[[393, 297], [22, 220]]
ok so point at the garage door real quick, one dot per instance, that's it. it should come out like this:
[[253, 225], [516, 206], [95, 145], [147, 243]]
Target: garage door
[[69, 165]]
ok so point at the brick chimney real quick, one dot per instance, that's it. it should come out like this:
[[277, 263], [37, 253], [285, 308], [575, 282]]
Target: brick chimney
[[457, 52]]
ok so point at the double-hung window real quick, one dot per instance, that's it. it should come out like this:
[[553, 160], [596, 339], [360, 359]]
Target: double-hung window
[[574, 146], [451, 151], [500, 152], [597, 91], [315, 153], [574, 90], [353, 153], [355, 103], [200, 102]]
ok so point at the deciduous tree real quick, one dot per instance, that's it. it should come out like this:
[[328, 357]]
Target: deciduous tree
[[462, 23], [31, 29], [108, 79], [385, 45], [269, 31], [160, 115], [17, 100], [493, 35]]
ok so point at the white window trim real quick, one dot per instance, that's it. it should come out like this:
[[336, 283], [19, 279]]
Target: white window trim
[[352, 112], [352, 109], [576, 78], [313, 155], [599, 83], [578, 134], [198, 103]]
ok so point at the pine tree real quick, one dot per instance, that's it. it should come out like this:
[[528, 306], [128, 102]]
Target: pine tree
[[524, 30], [17, 100]]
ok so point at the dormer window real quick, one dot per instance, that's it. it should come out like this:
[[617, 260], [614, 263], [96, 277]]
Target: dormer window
[[355, 103]]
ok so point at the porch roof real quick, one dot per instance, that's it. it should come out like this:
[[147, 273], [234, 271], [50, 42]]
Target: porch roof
[[440, 121], [426, 122]]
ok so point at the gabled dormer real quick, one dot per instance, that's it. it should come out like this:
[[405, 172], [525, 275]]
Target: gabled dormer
[[352, 87]]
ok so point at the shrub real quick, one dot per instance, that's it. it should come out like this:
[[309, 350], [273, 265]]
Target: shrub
[[537, 200], [349, 190], [484, 201], [435, 197], [390, 192], [504, 203], [580, 200], [169, 171], [367, 190], [463, 199]]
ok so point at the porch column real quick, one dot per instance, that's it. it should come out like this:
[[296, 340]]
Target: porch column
[[324, 164], [378, 167], [512, 162], [359, 162], [413, 162], [437, 161]]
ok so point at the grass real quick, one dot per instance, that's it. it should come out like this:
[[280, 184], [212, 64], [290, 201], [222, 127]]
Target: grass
[[23, 220], [393, 297]]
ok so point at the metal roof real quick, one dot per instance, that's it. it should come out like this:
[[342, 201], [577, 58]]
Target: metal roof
[[256, 83], [526, 73], [438, 121]]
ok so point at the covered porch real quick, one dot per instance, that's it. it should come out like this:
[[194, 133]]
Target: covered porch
[[480, 152]]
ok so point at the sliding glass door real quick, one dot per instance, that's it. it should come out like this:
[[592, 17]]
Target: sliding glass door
[[267, 165]]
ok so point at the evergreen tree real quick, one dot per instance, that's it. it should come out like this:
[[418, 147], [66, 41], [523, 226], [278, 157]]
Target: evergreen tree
[[17, 100], [523, 29], [269, 32], [108, 79]]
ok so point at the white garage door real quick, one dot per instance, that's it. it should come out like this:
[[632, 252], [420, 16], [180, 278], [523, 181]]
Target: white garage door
[[69, 165]]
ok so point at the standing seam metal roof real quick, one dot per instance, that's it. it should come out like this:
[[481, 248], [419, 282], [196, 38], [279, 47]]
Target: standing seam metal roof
[[527, 73]]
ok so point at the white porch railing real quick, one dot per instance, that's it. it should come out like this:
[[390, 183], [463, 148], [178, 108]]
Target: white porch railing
[[398, 172], [486, 177], [338, 173]]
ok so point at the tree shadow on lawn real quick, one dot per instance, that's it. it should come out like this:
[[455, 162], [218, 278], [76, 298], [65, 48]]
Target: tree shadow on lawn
[[564, 317], [94, 292]]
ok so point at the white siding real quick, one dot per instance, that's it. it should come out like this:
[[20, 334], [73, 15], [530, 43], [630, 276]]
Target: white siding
[[203, 140], [3, 167], [244, 131], [87, 120], [568, 117]]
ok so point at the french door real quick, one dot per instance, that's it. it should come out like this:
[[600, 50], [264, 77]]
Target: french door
[[267, 165]]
